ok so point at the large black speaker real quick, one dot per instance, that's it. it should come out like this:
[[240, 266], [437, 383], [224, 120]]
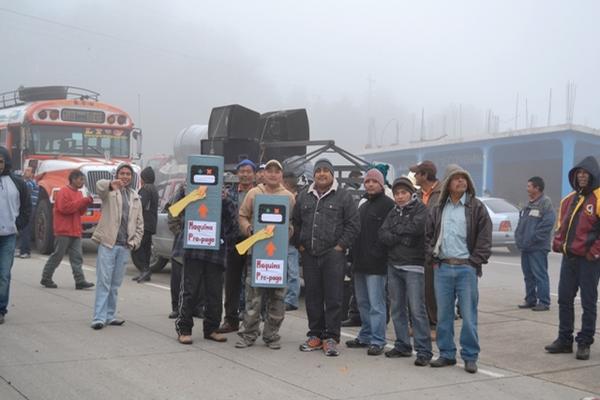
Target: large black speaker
[[233, 122], [233, 150], [283, 126]]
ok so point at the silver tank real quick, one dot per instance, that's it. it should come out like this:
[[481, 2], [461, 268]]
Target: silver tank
[[187, 142]]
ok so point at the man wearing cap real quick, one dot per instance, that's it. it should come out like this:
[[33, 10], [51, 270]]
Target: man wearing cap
[[458, 241], [326, 223], [369, 268], [119, 231], [254, 295], [403, 233], [429, 193], [292, 294], [246, 172]]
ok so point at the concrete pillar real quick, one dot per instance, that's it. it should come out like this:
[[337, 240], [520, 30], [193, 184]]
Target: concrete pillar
[[488, 170], [568, 162]]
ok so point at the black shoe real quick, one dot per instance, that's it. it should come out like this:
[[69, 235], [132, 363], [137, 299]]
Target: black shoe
[[559, 347], [289, 307], [48, 283], [422, 361], [540, 307], [117, 322], [173, 315], [526, 305], [144, 277], [442, 362], [351, 322], [97, 325], [356, 344], [375, 350], [471, 366], [583, 352], [395, 353], [83, 285]]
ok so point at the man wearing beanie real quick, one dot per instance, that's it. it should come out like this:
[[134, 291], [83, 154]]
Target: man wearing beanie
[[119, 231], [403, 235], [246, 172], [458, 241], [369, 266], [149, 197], [326, 222]]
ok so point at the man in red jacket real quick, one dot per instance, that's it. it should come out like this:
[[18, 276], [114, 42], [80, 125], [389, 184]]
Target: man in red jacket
[[69, 206]]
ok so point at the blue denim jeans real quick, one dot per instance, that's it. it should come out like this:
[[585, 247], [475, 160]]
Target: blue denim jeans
[[293, 277], [535, 271], [7, 256], [110, 269], [24, 240], [370, 298], [409, 286], [454, 282], [578, 273]]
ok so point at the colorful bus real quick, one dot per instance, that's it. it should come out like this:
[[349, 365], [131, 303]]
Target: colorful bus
[[55, 129]]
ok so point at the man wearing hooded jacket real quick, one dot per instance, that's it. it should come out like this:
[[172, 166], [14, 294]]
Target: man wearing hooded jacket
[[577, 237], [15, 210], [458, 240], [149, 197]]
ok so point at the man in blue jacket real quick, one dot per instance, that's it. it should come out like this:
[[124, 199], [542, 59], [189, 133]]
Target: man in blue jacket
[[533, 239]]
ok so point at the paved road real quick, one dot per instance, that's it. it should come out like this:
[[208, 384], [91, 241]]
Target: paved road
[[48, 351]]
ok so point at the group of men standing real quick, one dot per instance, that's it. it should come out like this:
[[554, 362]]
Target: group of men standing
[[419, 253]]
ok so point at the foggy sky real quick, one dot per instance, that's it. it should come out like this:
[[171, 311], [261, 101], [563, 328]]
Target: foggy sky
[[184, 57]]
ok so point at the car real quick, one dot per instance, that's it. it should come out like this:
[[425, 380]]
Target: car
[[505, 218]]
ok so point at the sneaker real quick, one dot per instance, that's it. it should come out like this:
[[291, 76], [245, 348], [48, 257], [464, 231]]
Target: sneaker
[[583, 352], [559, 347], [273, 344], [83, 285], [185, 339], [540, 307], [226, 327], [442, 362], [375, 350], [471, 366], [330, 348], [242, 343], [356, 344], [421, 361], [25, 255], [97, 325], [173, 314], [48, 283], [395, 353], [289, 307], [312, 343], [526, 305]]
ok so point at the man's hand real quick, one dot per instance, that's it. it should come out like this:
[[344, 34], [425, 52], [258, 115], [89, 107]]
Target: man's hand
[[591, 257], [338, 248], [301, 248], [116, 184]]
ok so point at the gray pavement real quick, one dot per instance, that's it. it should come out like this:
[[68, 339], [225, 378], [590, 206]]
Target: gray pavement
[[48, 351]]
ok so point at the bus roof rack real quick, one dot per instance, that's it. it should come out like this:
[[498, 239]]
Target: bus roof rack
[[38, 93]]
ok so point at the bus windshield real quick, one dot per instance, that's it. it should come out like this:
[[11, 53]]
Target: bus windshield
[[79, 141]]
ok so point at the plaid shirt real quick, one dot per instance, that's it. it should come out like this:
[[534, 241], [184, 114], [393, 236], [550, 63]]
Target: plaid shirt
[[229, 230]]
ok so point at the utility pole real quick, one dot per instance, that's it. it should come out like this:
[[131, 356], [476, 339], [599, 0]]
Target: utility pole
[[550, 108]]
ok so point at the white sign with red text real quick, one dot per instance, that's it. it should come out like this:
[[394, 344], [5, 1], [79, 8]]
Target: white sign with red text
[[201, 233], [269, 272]]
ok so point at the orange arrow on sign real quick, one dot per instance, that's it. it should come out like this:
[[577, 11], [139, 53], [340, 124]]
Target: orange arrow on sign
[[203, 210], [270, 248]]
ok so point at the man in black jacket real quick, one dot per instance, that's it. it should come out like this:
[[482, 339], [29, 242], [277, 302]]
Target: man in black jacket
[[149, 197], [403, 233], [325, 223], [458, 240], [15, 210], [369, 266]]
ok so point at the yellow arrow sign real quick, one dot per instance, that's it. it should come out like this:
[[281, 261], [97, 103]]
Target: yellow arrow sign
[[194, 195], [265, 233]]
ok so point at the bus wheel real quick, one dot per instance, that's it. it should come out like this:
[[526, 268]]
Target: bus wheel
[[44, 235]]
